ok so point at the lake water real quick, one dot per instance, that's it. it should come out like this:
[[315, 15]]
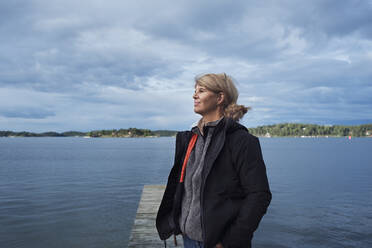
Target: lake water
[[76, 192]]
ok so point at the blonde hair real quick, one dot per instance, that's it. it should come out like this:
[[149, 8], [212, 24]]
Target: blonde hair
[[223, 83]]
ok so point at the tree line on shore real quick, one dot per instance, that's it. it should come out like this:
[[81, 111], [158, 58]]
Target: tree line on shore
[[130, 132], [280, 130], [296, 129]]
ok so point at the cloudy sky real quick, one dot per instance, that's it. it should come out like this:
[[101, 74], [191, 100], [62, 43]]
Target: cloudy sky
[[84, 65]]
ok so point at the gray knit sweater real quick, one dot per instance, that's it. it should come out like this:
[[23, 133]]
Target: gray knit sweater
[[190, 218]]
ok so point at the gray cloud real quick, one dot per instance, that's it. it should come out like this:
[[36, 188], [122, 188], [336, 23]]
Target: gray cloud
[[26, 113], [334, 18], [134, 62]]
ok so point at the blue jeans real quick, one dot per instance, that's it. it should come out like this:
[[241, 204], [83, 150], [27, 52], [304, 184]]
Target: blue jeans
[[190, 243]]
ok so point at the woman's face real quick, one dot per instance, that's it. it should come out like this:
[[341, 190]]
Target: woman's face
[[205, 101]]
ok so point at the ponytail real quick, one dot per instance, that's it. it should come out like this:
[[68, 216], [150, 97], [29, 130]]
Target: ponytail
[[235, 111]]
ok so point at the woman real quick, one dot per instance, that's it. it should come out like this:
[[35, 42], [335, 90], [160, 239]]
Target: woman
[[217, 190]]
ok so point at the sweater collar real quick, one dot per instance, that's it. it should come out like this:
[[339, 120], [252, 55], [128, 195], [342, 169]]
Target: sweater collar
[[202, 130], [208, 124]]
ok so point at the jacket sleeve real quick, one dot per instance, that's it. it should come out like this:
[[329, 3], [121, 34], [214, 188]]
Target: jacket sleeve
[[164, 221], [253, 180]]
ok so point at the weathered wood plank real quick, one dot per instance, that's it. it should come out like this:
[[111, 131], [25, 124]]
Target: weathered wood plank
[[144, 233]]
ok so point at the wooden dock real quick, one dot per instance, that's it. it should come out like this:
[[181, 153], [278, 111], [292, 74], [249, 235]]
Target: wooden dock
[[144, 233]]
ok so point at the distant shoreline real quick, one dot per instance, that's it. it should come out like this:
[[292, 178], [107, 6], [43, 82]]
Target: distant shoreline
[[276, 130], [154, 137], [110, 133]]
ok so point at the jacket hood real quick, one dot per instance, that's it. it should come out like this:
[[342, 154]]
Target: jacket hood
[[227, 124], [230, 126]]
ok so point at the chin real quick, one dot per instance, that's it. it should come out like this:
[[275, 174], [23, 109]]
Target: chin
[[197, 111]]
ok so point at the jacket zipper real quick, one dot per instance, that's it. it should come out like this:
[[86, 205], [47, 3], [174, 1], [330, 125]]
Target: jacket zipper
[[204, 177], [202, 211], [202, 195], [202, 201]]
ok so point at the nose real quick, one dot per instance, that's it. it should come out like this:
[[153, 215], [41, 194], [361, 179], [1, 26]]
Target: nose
[[195, 95]]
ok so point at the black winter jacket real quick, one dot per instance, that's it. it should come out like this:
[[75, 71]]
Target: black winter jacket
[[235, 193]]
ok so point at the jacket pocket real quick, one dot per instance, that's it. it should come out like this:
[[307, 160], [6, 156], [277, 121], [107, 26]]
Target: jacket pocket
[[236, 194]]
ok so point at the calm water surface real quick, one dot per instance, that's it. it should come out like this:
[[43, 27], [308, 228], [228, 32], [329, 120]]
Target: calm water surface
[[75, 192]]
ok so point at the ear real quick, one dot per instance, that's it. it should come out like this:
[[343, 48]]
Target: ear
[[220, 98]]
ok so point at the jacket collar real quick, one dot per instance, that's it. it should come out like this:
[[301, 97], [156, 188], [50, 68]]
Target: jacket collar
[[211, 123], [225, 123]]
